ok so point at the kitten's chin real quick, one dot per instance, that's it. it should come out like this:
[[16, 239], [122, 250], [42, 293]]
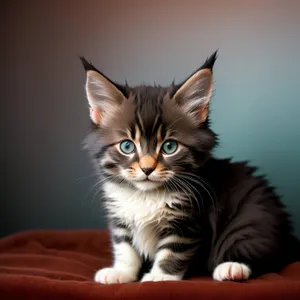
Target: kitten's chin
[[147, 185]]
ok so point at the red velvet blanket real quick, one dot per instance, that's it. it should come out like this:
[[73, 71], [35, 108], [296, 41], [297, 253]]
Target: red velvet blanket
[[61, 264]]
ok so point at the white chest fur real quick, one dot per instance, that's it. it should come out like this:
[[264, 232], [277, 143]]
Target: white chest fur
[[144, 212]]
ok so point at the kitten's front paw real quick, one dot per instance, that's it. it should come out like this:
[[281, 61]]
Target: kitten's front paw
[[231, 271], [159, 277], [112, 275]]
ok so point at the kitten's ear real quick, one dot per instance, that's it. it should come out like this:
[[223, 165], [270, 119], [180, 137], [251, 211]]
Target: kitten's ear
[[103, 95], [194, 94]]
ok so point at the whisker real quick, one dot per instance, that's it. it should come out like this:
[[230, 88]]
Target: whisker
[[203, 184], [88, 176], [96, 188], [176, 189], [186, 185]]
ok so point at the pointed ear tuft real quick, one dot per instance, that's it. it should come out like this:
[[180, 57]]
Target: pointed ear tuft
[[87, 65], [210, 61], [194, 94]]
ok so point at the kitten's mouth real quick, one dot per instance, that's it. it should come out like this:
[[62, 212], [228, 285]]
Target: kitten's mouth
[[147, 180], [147, 184]]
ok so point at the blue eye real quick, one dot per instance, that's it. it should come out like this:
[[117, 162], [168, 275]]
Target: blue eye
[[127, 147], [169, 146]]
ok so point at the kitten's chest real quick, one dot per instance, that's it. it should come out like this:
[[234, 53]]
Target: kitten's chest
[[146, 214]]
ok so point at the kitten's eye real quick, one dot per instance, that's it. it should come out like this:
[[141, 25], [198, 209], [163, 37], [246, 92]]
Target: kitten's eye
[[169, 146], [127, 147]]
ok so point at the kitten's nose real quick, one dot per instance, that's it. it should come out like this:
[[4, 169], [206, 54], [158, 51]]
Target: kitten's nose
[[147, 171]]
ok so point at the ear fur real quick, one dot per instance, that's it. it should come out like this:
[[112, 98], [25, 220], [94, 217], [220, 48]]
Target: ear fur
[[103, 95], [194, 94]]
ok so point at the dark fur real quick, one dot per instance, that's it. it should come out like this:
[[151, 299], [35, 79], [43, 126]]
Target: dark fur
[[235, 216]]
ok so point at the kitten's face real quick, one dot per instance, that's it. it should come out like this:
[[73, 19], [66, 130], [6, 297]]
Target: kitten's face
[[150, 137]]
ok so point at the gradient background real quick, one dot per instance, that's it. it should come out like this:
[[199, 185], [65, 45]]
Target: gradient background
[[256, 107]]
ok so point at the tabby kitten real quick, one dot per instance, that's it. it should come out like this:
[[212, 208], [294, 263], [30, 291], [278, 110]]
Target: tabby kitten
[[175, 211]]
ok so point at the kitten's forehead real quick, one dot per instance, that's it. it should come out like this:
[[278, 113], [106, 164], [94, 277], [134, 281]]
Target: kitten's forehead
[[147, 116], [148, 109], [157, 118]]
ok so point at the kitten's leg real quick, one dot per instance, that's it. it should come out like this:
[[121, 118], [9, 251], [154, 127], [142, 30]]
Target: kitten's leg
[[127, 262], [172, 259], [225, 265], [237, 259]]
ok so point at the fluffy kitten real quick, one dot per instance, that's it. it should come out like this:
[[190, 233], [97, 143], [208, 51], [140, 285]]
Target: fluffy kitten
[[175, 211]]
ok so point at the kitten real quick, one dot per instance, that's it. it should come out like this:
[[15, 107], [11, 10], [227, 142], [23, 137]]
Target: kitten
[[174, 210]]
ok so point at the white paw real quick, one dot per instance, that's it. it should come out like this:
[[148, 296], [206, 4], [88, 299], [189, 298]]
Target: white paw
[[111, 275], [231, 271], [159, 277]]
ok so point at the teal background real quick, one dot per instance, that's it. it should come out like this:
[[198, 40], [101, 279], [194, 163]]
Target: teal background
[[47, 180]]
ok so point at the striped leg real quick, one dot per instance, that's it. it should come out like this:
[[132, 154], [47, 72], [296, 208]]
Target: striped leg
[[172, 259], [127, 262]]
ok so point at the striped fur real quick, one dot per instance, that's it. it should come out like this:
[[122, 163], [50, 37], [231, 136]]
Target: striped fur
[[183, 211]]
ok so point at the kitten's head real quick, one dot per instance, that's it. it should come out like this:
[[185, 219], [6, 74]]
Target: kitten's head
[[147, 136]]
